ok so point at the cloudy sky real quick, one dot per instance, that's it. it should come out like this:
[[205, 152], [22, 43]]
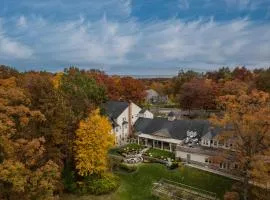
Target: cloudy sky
[[134, 36]]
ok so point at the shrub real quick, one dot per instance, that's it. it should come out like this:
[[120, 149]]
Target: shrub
[[174, 165], [100, 185], [68, 179], [128, 168]]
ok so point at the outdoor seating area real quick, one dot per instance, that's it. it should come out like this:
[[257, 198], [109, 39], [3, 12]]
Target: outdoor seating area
[[134, 160]]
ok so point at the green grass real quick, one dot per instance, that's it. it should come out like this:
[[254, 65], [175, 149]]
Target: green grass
[[137, 186], [160, 154]]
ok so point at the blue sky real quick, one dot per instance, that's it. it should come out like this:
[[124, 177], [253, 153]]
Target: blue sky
[[134, 36]]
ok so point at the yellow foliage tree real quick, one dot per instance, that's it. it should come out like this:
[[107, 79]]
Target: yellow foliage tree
[[57, 79], [93, 140]]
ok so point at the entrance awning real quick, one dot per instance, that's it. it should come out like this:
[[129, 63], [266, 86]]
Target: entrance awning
[[169, 140]]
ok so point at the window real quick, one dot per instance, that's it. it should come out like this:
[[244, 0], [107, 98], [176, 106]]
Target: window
[[116, 129], [215, 143], [206, 160]]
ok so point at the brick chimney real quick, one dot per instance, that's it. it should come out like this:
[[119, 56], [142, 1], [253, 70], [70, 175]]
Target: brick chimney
[[130, 118]]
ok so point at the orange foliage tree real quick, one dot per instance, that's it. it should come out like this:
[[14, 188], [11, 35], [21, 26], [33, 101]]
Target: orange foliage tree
[[249, 115], [24, 174]]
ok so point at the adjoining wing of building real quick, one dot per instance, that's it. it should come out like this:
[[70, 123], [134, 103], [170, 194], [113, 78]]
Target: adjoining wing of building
[[195, 141]]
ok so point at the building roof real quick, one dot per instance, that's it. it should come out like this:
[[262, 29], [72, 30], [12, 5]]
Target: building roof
[[176, 129], [114, 108], [142, 111]]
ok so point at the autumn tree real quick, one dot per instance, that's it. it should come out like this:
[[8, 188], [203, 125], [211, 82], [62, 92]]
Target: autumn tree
[[44, 96], [263, 80], [222, 74], [234, 87], [249, 115], [7, 72], [81, 91], [198, 94], [181, 78], [24, 173], [242, 73], [93, 140], [132, 89], [231, 196]]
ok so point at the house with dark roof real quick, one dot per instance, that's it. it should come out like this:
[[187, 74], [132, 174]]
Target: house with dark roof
[[167, 133], [153, 96], [123, 116], [195, 141]]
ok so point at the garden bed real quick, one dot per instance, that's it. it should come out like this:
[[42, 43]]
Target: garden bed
[[130, 149], [159, 154]]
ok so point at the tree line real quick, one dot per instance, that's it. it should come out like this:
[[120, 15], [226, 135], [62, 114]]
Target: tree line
[[46, 121], [193, 90]]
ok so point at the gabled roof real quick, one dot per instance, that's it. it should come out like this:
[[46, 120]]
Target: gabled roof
[[176, 129], [114, 108], [142, 111]]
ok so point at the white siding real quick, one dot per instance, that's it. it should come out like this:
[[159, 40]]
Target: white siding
[[193, 156], [148, 114], [123, 130], [135, 111]]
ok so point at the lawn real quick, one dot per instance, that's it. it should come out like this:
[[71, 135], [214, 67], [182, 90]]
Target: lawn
[[137, 186]]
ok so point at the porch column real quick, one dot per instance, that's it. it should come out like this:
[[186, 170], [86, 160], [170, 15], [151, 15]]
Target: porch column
[[146, 142], [138, 140], [170, 146], [153, 143], [161, 145]]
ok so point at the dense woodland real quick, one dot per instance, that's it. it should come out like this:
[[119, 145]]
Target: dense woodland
[[48, 120]]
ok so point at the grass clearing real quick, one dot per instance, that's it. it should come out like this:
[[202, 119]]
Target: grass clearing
[[138, 185]]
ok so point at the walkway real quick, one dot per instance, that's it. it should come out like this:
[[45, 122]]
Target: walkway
[[216, 172]]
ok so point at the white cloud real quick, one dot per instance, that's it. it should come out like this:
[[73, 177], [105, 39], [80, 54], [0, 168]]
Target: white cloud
[[227, 43], [22, 22], [80, 41], [10, 48], [103, 42]]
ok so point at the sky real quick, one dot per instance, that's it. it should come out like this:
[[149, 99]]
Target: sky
[[134, 37]]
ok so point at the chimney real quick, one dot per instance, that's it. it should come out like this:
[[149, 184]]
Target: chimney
[[129, 118], [171, 116]]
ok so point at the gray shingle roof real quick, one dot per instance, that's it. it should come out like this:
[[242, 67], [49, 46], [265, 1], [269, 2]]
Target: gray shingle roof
[[176, 129], [114, 108]]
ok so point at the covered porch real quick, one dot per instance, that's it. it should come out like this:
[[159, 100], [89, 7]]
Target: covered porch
[[163, 143]]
